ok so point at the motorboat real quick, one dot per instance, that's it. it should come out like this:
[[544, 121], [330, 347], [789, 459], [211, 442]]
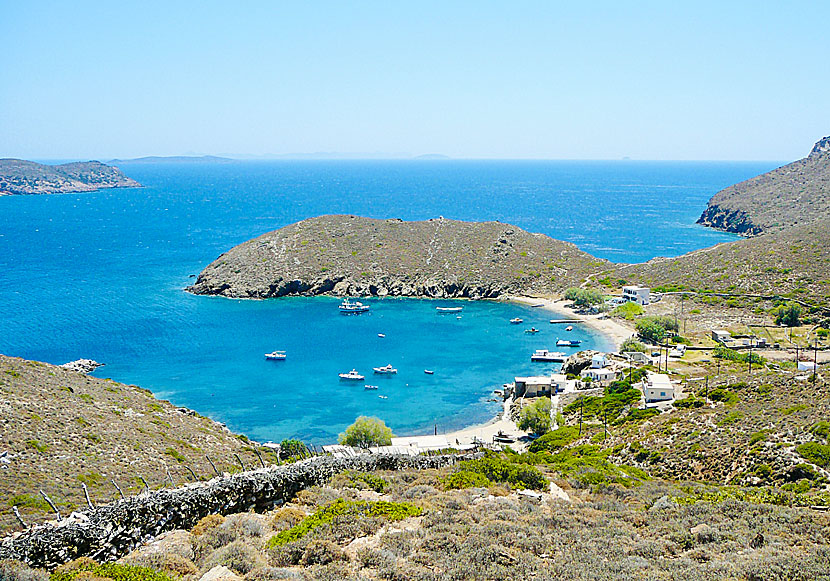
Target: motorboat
[[567, 343], [503, 438], [429, 371], [569, 328], [348, 307], [545, 355], [449, 309], [516, 321], [383, 396], [532, 330], [381, 335], [370, 386], [352, 375], [385, 370], [275, 356]]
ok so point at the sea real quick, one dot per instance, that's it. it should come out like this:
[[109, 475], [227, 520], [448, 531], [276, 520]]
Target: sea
[[101, 275]]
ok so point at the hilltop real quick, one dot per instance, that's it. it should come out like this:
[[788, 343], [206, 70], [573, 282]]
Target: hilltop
[[62, 429], [350, 255], [791, 263], [790, 196], [18, 176], [175, 159]]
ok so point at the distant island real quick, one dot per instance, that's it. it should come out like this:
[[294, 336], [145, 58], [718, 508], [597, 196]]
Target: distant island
[[796, 194], [175, 159], [21, 177]]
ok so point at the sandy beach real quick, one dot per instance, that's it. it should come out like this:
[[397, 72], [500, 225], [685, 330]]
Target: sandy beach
[[614, 332]]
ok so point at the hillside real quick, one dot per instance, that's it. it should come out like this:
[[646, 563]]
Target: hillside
[[791, 263], [18, 176], [350, 255], [175, 159], [62, 428], [793, 195]]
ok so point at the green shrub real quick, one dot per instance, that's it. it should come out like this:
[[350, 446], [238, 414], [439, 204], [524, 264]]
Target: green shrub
[[373, 481], [821, 429], [757, 437], [816, 453], [291, 448], [788, 315], [628, 311], [90, 569], [382, 509], [689, 402], [29, 501], [555, 440], [465, 479], [41, 448], [632, 344], [175, 454], [499, 469], [535, 417], [723, 395]]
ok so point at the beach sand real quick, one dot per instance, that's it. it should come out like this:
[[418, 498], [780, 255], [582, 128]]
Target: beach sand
[[614, 332]]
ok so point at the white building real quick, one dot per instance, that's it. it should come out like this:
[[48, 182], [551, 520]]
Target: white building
[[602, 375], [598, 361], [637, 294], [657, 387], [636, 357], [543, 385], [721, 336]]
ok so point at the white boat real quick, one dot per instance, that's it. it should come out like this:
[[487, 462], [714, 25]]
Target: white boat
[[370, 386], [516, 321], [449, 309], [569, 328], [537, 305], [275, 356], [566, 343], [532, 330], [545, 355], [348, 307], [381, 335], [429, 371], [352, 375], [386, 369], [382, 396]]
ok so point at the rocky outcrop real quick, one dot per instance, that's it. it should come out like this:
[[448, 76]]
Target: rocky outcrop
[[18, 176], [575, 363], [354, 256], [796, 194], [82, 365], [112, 531]]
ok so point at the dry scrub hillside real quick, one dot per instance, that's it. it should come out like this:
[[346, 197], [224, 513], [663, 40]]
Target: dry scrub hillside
[[792, 263], [60, 429], [18, 176], [350, 255], [793, 195]]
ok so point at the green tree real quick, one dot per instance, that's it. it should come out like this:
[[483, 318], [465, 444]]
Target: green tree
[[650, 330], [629, 310], [789, 315], [290, 448], [535, 417], [589, 297], [572, 293], [366, 432], [632, 344]]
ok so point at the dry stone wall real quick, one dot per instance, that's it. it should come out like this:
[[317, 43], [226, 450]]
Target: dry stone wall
[[111, 531]]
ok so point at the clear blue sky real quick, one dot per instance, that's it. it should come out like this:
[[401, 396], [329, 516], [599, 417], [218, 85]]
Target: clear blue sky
[[593, 80]]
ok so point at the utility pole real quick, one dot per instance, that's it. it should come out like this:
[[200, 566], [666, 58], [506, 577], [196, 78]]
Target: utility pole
[[605, 423], [581, 404], [815, 359], [706, 393]]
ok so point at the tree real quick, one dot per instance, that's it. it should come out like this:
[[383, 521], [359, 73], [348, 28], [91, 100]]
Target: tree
[[650, 330], [631, 344], [789, 315], [535, 417], [589, 297], [366, 432], [572, 293], [629, 310], [290, 448]]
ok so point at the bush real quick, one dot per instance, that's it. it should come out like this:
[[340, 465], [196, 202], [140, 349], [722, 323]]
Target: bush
[[536, 416], [465, 479], [381, 509], [239, 556], [366, 432], [632, 344], [818, 454], [165, 562], [322, 553], [499, 469], [689, 402], [788, 315], [821, 429], [584, 297], [628, 311], [18, 571], [87, 568], [555, 440], [291, 448], [367, 479]]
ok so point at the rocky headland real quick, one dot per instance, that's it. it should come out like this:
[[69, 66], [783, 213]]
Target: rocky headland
[[356, 256], [21, 177], [794, 195]]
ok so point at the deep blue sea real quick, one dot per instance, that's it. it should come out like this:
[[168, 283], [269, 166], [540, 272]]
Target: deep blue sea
[[100, 276]]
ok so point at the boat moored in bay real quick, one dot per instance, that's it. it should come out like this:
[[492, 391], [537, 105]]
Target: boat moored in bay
[[348, 307], [545, 355], [275, 356], [352, 375]]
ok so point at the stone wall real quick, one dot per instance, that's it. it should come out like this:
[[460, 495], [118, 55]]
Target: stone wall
[[109, 532]]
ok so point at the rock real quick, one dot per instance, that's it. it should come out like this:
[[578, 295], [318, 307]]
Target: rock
[[178, 542], [757, 542], [578, 361], [663, 503], [82, 365], [220, 573]]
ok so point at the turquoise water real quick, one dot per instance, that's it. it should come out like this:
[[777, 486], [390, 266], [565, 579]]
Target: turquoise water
[[100, 275]]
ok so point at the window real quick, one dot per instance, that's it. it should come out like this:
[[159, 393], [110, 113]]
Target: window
[[662, 394]]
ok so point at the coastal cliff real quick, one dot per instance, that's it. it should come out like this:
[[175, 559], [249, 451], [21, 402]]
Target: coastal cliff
[[21, 177], [355, 256], [793, 195]]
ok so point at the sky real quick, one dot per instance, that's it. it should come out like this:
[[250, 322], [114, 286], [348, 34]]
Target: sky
[[521, 79]]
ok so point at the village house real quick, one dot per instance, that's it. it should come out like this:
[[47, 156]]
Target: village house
[[637, 294], [721, 336], [543, 385], [657, 387], [602, 376]]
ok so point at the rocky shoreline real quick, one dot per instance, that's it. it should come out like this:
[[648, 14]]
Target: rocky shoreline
[[21, 177]]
